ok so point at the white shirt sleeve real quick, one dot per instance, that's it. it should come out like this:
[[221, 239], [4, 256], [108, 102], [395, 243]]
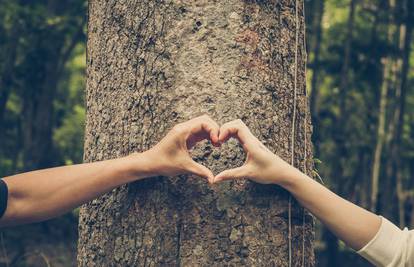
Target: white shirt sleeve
[[390, 247]]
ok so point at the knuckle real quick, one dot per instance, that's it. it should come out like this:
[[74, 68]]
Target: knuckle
[[209, 120], [224, 127], [242, 125], [240, 122], [236, 122], [178, 128], [204, 125], [204, 117]]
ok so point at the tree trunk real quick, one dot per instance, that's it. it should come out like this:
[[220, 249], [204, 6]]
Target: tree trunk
[[315, 63], [380, 135], [339, 135], [404, 66], [152, 64], [6, 78], [344, 82], [38, 108], [389, 77], [340, 129], [314, 97]]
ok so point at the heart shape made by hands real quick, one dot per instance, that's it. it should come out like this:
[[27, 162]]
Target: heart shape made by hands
[[204, 128]]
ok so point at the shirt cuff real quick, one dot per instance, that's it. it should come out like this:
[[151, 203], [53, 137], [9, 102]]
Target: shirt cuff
[[3, 197], [385, 245]]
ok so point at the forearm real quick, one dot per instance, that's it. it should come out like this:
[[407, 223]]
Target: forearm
[[350, 223], [43, 194]]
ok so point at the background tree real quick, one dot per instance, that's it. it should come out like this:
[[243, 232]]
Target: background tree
[[41, 112], [152, 64], [379, 33]]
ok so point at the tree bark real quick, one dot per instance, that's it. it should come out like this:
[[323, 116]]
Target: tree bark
[[152, 64]]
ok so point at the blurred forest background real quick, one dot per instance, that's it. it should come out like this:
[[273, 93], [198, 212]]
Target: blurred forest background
[[361, 88]]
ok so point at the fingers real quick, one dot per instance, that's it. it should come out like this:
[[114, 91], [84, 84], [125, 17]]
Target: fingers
[[236, 129], [202, 128], [236, 173], [201, 170]]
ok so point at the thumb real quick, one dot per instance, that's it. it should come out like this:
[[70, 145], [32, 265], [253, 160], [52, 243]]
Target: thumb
[[236, 173], [201, 170]]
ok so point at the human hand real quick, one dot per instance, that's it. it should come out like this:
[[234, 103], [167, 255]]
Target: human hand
[[171, 155], [261, 164]]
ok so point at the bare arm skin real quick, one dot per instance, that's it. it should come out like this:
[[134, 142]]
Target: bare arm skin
[[352, 224], [43, 194]]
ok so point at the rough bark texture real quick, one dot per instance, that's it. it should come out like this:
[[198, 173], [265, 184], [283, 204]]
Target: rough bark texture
[[152, 64]]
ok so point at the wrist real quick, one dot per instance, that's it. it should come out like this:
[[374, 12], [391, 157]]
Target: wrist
[[280, 172], [292, 178], [140, 165]]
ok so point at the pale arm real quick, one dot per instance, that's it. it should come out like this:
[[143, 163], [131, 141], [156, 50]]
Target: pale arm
[[375, 238], [352, 224], [43, 194], [349, 222]]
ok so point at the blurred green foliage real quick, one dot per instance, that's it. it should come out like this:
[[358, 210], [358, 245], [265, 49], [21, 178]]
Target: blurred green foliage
[[345, 100], [42, 65], [42, 113], [68, 134]]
